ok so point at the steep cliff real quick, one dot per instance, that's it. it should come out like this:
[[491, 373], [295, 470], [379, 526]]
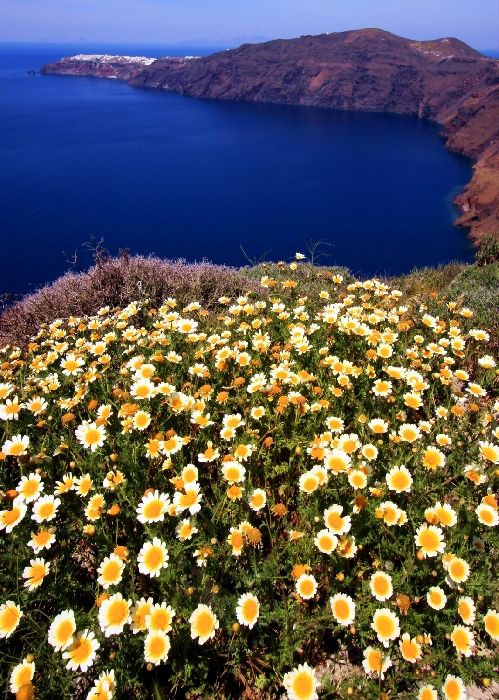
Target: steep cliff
[[367, 70]]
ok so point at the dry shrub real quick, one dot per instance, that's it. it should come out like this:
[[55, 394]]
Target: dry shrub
[[116, 282]]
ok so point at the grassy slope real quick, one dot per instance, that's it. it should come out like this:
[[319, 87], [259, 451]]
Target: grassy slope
[[118, 281]]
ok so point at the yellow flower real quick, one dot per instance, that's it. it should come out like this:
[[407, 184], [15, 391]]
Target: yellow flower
[[248, 610], [10, 518], [258, 499], [399, 479], [343, 609], [114, 614], [430, 540], [185, 530], [463, 640], [325, 541], [45, 509], [91, 435], [233, 472], [308, 482], [488, 451], [82, 651], [386, 625], [409, 648], [375, 663], [35, 573], [436, 598], [466, 610], [156, 647], [204, 623], [381, 586], [10, 615], [453, 688], [139, 612], [152, 557], [357, 479], [301, 683], [160, 617], [306, 586], [62, 629], [336, 522], [110, 571], [17, 446], [433, 458], [153, 507], [30, 487], [458, 569], [21, 675], [491, 623]]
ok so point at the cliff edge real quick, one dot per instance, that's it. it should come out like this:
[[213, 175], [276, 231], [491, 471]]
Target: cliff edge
[[370, 70]]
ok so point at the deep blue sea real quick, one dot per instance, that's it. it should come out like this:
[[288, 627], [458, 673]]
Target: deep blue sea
[[84, 160]]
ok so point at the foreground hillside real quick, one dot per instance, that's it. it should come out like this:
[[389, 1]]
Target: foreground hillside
[[282, 485], [371, 70]]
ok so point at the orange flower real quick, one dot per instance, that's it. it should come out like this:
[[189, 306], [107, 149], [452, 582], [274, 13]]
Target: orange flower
[[299, 570]]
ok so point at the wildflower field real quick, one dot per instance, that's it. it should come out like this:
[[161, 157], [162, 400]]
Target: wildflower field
[[214, 501]]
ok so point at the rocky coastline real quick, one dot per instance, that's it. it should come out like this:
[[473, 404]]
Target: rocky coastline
[[444, 81]]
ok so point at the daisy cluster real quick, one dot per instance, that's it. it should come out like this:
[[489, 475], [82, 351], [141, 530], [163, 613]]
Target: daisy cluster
[[248, 481]]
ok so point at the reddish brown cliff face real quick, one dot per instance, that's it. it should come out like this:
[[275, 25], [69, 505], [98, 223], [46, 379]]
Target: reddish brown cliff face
[[366, 70]]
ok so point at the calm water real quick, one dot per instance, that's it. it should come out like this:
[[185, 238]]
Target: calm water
[[83, 160]]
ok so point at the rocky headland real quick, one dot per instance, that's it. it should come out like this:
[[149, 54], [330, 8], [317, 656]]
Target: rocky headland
[[444, 81]]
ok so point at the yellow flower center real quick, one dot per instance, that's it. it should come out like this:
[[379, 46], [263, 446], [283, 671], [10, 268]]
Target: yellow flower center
[[334, 521], [9, 618], [460, 639], [341, 609], [64, 631], [250, 609], [37, 573], [157, 646], [306, 587], [188, 499], [92, 436], [30, 488], [153, 509], [112, 571], [325, 542], [375, 661], [303, 685], [400, 481], [436, 598], [429, 540], [160, 619], [492, 624], [46, 510], [10, 516], [117, 612], [154, 557], [204, 623], [81, 650], [457, 569], [452, 689], [381, 585], [385, 626]]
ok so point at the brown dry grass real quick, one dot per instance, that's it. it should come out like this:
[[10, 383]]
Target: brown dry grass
[[117, 282]]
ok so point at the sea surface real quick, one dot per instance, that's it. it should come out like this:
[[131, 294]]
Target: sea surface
[[86, 161]]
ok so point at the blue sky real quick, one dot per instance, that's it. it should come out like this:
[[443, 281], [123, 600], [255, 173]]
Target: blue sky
[[234, 21]]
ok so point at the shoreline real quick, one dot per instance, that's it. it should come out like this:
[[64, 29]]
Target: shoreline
[[444, 82]]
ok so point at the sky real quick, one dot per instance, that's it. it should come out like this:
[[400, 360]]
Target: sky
[[231, 22]]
